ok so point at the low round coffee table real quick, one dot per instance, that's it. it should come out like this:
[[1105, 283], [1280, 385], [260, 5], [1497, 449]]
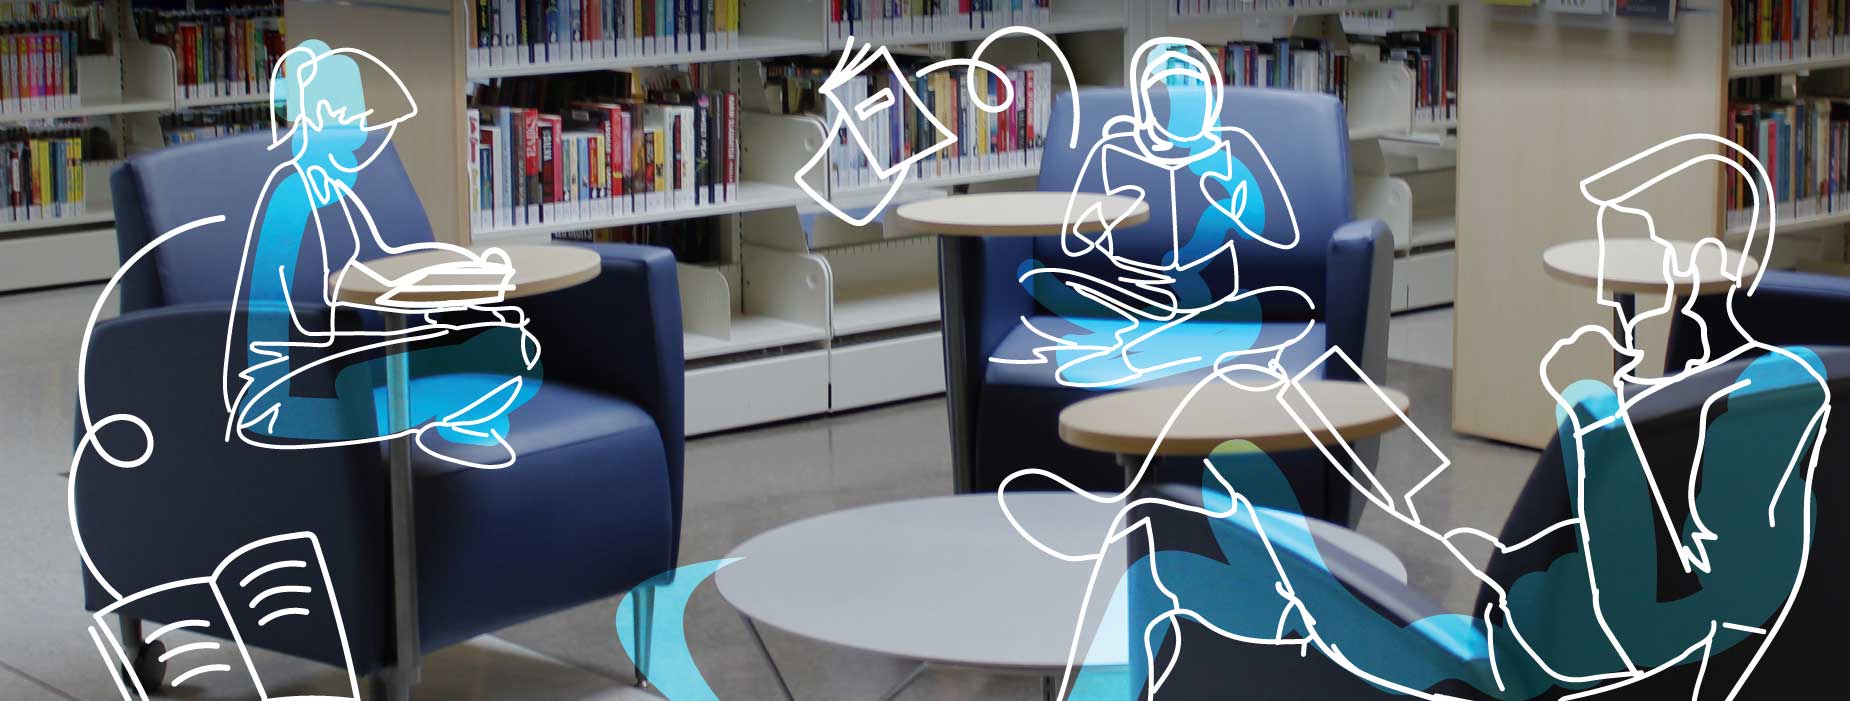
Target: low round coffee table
[[946, 581]]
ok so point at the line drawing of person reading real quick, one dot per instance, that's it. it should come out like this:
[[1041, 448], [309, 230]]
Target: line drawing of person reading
[[1589, 617], [471, 362], [851, 121], [1132, 314]]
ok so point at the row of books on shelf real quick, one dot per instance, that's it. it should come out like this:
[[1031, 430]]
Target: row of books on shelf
[[39, 46], [42, 172], [1805, 147], [545, 153], [527, 32], [873, 19], [1767, 31], [187, 126], [1209, 8], [218, 53], [1432, 55], [1304, 63], [1289, 62], [38, 71], [698, 240], [932, 118]]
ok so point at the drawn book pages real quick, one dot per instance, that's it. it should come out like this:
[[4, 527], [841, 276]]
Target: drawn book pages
[[274, 589]]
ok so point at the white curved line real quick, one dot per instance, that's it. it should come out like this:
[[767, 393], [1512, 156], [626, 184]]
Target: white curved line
[[176, 625], [196, 671], [183, 649], [285, 589], [266, 569], [279, 613]]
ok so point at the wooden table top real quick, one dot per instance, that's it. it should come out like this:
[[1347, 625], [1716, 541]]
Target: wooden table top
[[1128, 422], [1013, 214], [1635, 265], [538, 269]]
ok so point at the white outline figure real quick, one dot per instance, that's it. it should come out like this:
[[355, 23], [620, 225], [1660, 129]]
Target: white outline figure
[[855, 60], [1362, 480], [1143, 292], [491, 273]]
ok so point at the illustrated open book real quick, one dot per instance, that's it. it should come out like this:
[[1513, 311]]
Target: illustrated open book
[[279, 585]]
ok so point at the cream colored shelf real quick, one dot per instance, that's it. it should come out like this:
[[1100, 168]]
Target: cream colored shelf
[[94, 107], [892, 310], [750, 47], [1798, 65], [752, 197], [750, 333]]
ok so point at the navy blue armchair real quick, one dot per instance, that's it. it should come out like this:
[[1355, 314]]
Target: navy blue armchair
[[1342, 265], [591, 508], [1788, 309]]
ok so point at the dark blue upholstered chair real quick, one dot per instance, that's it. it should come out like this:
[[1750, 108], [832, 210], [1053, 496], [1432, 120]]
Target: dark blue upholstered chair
[[591, 508], [1789, 308], [1667, 424], [1342, 264]]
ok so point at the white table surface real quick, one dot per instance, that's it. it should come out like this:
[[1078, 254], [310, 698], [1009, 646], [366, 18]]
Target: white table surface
[[1635, 265], [947, 580], [1014, 214]]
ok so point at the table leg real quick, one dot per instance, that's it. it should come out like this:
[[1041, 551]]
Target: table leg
[[903, 683], [775, 672], [406, 650], [953, 254]]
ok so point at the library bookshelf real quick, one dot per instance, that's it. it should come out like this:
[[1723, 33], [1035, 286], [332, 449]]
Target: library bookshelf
[[124, 92], [800, 314]]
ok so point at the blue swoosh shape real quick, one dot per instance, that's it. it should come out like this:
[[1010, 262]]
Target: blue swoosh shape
[[671, 664]]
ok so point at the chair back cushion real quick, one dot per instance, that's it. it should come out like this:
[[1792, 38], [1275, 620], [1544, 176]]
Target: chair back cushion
[[1655, 606], [1281, 142], [159, 190]]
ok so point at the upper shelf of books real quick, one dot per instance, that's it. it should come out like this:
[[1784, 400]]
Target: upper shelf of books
[[512, 38], [1760, 44], [1185, 9]]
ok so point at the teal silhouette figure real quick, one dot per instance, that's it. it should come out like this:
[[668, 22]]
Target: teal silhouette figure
[[468, 368]]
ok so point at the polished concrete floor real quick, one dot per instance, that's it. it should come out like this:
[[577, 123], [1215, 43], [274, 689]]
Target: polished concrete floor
[[738, 485]]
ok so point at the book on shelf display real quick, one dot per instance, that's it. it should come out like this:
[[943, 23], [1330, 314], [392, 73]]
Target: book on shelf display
[[42, 173], [540, 32], [672, 150], [871, 19], [39, 46], [218, 53], [1805, 147], [1771, 31]]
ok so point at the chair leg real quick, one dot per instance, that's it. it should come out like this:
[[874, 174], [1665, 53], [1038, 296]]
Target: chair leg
[[645, 621], [388, 685], [130, 631]]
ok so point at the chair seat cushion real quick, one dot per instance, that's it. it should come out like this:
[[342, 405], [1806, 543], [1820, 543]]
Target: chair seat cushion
[[587, 497], [1188, 350]]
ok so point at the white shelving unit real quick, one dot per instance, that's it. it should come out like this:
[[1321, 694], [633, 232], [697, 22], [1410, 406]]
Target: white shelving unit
[[123, 92], [798, 318]]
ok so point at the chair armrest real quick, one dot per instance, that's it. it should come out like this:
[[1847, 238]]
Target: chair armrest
[[1358, 286], [200, 496], [994, 298], [1784, 311], [621, 333]]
